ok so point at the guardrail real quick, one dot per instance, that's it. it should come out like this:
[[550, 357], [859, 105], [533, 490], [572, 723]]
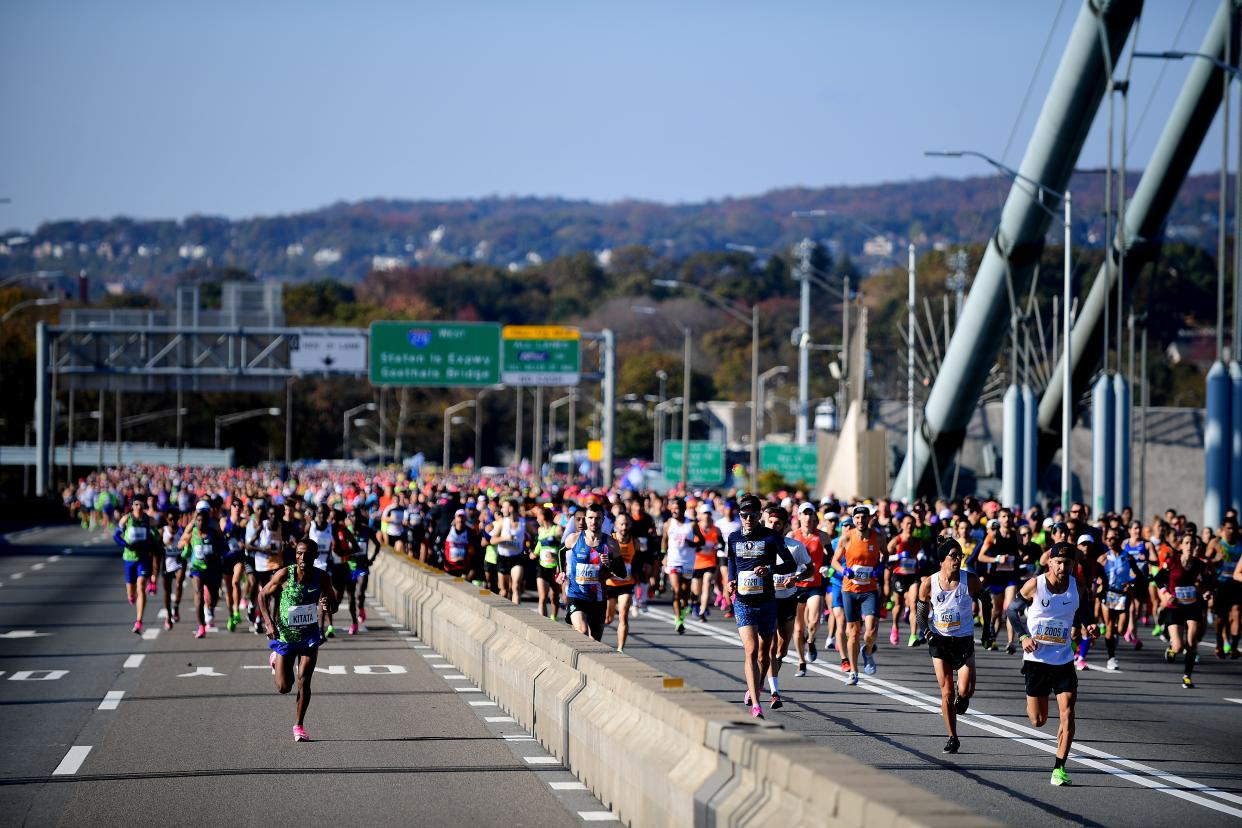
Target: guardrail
[[652, 748]]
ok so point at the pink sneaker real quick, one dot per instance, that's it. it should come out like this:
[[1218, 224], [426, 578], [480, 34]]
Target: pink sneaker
[[138, 628], [271, 661], [353, 629], [200, 632], [167, 624], [892, 637], [756, 712], [299, 734], [362, 614]]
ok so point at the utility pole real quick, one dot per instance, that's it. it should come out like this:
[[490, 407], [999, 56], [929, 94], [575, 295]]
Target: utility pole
[[802, 274]]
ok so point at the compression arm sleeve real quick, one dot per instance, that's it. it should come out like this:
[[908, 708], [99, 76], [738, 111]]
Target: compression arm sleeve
[[1016, 606], [921, 609]]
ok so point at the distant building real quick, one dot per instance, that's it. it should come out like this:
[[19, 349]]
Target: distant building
[[880, 246]]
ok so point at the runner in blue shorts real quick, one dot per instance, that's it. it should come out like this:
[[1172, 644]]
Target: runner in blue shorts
[[753, 553]]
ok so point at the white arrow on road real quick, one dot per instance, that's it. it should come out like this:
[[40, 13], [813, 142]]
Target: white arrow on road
[[23, 634], [201, 671]]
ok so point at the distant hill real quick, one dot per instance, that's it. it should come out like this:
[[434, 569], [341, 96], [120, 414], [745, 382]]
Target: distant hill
[[345, 241]]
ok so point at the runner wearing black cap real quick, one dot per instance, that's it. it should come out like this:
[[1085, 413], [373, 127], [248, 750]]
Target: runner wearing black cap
[[946, 600]]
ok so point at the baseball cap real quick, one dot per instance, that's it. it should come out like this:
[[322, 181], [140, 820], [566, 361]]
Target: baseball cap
[[993, 524], [860, 509], [831, 516], [459, 513], [806, 507], [1085, 539], [704, 509], [1049, 523], [750, 503], [1061, 550], [202, 506]]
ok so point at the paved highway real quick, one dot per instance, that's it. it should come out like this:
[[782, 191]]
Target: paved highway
[[1147, 751], [100, 726]]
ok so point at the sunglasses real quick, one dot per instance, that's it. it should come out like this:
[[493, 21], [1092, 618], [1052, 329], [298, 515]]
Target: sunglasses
[[750, 515]]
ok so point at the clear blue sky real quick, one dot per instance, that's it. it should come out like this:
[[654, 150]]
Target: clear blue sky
[[254, 107]]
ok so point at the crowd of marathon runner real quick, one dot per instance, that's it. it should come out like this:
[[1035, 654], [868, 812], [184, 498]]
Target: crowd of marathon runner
[[284, 558]]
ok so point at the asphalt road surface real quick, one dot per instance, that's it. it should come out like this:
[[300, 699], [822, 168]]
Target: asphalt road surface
[[1147, 752], [99, 726]]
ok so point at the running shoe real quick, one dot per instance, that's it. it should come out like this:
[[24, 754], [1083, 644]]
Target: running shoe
[[200, 632], [993, 646], [271, 661], [330, 632], [746, 698], [889, 604], [1234, 655], [756, 712], [1169, 655], [853, 677], [1080, 663], [801, 670], [868, 661], [1060, 777], [892, 636], [1138, 643], [951, 746], [353, 629], [299, 734], [1130, 637], [845, 665], [695, 611], [1220, 654], [1111, 665], [776, 702], [176, 615], [167, 624], [362, 614], [707, 613], [914, 640], [1228, 648], [1187, 684], [1010, 649], [232, 623], [961, 704], [681, 628], [1157, 631], [137, 628], [621, 651], [830, 642]]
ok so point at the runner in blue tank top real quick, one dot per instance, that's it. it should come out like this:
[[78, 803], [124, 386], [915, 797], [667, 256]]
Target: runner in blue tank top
[[586, 558]]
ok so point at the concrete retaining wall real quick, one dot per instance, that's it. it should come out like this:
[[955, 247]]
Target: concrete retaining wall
[[654, 750]]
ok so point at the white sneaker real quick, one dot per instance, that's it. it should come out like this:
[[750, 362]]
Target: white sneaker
[[853, 677], [1111, 665], [830, 643]]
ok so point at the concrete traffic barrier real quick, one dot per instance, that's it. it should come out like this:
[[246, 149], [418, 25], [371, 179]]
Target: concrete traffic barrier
[[654, 750]]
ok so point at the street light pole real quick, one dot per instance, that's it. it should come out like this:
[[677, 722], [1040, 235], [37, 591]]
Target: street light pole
[[685, 411], [448, 418], [910, 382], [346, 420], [804, 351]]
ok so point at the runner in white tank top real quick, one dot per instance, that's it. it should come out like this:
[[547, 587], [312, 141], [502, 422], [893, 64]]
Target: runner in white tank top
[[1054, 614], [944, 613]]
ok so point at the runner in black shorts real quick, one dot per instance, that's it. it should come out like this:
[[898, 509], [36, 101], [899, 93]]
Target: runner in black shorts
[[945, 616]]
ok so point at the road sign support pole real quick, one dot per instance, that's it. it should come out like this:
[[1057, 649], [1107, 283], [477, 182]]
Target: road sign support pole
[[610, 404], [42, 411], [517, 437], [288, 421]]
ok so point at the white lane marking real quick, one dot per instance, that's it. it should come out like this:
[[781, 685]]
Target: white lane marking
[[38, 675], [567, 786], [483, 704], [517, 737], [467, 690], [201, 671], [432, 656], [133, 661], [986, 722], [16, 576], [151, 634], [598, 816], [456, 677], [72, 761], [421, 647], [1235, 701], [541, 760], [443, 667], [53, 558], [378, 669], [111, 700], [37, 567], [11, 634], [497, 719]]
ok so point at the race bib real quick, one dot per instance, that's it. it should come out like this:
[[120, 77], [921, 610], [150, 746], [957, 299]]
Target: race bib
[[642, 544], [585, 573], [948, 621], [137, 534], [456, 552], [782, 581], [1115, 600], [547, 557], [200, 552], [234, 546], [1051, 632], [748, 583], [1186, 594], [905, 565], [863, 574], [305, 615], [261, 560], [1004, 563], [172, 564]]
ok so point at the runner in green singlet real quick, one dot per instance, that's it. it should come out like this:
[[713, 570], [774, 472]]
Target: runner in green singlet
[[291, 604], [545, 555]]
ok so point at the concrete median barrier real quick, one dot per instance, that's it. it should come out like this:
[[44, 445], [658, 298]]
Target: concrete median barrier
[[654, 750]]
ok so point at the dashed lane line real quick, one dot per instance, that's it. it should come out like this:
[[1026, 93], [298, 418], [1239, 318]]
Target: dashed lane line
[[72, 761]]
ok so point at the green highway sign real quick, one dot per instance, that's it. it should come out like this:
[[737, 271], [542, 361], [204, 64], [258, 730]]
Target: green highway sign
[[540, 355], [793, 462], [435, 353], [707, 462]]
